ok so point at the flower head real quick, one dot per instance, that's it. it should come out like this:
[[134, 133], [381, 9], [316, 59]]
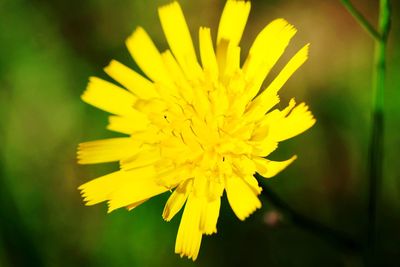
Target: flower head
[[196, 129]]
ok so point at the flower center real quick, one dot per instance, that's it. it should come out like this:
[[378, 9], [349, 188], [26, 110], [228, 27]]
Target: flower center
[[202, 129]]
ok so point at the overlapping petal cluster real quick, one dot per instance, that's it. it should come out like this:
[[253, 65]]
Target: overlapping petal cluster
[[195, 129]]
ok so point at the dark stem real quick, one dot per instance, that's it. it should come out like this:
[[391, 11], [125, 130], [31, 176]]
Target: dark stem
[[376, 143], [375, 179], [332, 236]]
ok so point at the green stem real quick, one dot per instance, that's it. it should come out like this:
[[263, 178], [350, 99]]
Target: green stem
[[361, 19], [376, 143]]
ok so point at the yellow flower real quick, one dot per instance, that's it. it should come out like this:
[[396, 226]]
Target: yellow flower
[[196, 129]]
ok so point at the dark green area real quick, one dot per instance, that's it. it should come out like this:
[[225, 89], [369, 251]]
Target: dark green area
[[49, 48]]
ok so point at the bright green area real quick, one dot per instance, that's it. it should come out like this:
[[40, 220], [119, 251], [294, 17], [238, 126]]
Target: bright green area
[[49, 48]]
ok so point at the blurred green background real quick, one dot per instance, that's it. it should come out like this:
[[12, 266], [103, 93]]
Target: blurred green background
[[49, 48]]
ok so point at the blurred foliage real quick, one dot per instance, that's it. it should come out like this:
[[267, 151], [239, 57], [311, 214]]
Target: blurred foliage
[[49, 48]]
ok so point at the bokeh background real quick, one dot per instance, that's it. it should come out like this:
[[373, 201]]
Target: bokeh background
[[49, 48]]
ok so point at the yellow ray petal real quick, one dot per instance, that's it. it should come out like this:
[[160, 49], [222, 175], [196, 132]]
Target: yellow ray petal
[[261, 105], [253, 183], [294, 63], [267, 48], [176, 30], [233, 20], [209, 216], [182, 87], [157, 106], [299, 120], [202, 103], [122, 188], [228, 59], [147, 56], [207, 53], [242, 199], [178, 36], [177, 199], [173, 67], [142, 158], [243, 166], [290, 106], [106, 150], [141, 185], [128, 124], [200, 184], [222, 55], [99, 189], [108, 97], [171, 176], [189, 236], [268, 168], [149, 136], [219, 101], [215, 189], [131, 80], [264, 147]]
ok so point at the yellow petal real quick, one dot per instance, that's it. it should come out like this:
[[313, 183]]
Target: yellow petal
[[108, 97], [122, 188], [219, 101], [233, 20], [177, 199], [261, 105], [299, 120], [189, 236], [243, 165], [150, 135], [268, 47], [128, 124], [222, 55], [202, 103], [171, 176], [200, 184], [147, 56], [207, 53], [156, 106], [264, 147], [294, 63], [140, 184], [215, 189], [99, 189], [178, 36], [232, 61], [106, 150], [143, 157], [242, 199], [209, 216], [189, 138], [268, 168], [176, 72], [131, 80], [253, 183]]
